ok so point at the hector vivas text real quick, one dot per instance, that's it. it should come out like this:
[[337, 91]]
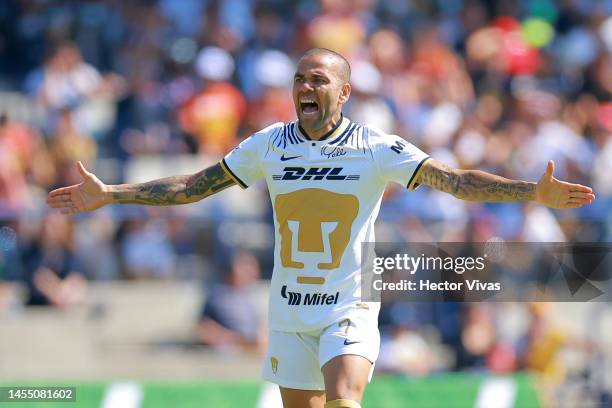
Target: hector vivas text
[[411, 264]]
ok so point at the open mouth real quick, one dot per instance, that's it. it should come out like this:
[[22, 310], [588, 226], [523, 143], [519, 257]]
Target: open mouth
[[308, 106]]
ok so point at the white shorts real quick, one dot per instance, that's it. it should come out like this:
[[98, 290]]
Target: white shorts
[[294, 360]]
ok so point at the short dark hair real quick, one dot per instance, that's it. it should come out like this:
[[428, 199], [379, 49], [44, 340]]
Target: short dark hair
[[345, 67]]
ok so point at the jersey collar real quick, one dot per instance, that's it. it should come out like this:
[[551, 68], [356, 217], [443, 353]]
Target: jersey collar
[[332, 134]]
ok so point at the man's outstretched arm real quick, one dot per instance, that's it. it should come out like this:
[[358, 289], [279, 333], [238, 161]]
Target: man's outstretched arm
[[92, 193], [173, 190], [476, 185]]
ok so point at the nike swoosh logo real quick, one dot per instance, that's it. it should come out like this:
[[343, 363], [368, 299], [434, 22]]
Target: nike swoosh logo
[[348, 343], [283, 158]]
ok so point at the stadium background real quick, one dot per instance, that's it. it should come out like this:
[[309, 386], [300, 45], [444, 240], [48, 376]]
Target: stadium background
[[122, 301]]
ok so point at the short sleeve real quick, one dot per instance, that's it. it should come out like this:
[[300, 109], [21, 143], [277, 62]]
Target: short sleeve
[[399, 160], [243, 162]]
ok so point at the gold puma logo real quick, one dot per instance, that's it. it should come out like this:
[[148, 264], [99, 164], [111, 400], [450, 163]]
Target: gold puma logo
[[311, 207]]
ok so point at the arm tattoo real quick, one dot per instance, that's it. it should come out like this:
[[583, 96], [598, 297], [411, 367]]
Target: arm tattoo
[[174, 190], [474, 185]]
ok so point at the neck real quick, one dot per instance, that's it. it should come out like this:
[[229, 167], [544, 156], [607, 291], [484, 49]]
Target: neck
[[316, 134]]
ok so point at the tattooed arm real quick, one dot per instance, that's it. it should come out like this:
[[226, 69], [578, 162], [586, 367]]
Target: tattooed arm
[[476, 185], [173, 190], [93, 193]]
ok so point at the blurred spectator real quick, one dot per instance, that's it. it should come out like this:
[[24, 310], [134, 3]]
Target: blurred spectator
[[69, 83], [477, 337], [53, 273], [15, 142], [229, 317], [338, 27], [214, 113], [10, 264], [95, 247], [273, 76], [542, 343], [408, 352], [365, 105], [146, 249], [26, 165], [69, 145], [540, 350]]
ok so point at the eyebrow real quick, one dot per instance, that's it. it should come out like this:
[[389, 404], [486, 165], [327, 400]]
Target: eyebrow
[[316, 75]]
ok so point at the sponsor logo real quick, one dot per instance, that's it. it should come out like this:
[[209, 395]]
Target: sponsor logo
[[314, 173], [348, 343], [309, 299], [283, 158], [274, 364], [294, 297], [398, 146]]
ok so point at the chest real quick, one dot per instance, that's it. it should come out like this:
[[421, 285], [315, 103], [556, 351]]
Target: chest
[[316, 165]]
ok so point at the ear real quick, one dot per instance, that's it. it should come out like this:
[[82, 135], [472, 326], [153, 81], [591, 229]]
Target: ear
[[345, 93]]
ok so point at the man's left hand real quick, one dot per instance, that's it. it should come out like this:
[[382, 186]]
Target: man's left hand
[[555, 193]]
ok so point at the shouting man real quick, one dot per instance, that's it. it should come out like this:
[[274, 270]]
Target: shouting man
[[326, 176]]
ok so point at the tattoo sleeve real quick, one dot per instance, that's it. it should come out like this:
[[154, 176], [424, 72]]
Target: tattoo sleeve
[[474, 185], [173, 190]]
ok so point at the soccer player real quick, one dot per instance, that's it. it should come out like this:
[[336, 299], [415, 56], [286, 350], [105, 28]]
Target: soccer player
[[326, 176]]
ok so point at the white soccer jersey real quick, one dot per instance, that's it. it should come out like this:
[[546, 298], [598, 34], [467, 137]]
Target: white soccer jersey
[[326, 196]]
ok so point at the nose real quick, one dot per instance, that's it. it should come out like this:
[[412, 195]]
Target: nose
[[305, 86]]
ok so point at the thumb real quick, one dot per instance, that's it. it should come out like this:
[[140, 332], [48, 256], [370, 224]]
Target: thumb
[[83, 171], [550, 169]]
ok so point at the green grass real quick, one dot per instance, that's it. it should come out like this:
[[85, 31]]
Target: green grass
[[447, 390], [198, 395]]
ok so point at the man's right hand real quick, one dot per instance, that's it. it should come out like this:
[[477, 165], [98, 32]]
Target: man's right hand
[[88, 195]]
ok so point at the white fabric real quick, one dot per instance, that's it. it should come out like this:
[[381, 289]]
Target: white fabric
[[326, 196], [300, 356]]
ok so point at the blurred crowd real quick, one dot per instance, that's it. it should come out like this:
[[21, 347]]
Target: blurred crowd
[[144, 88]]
